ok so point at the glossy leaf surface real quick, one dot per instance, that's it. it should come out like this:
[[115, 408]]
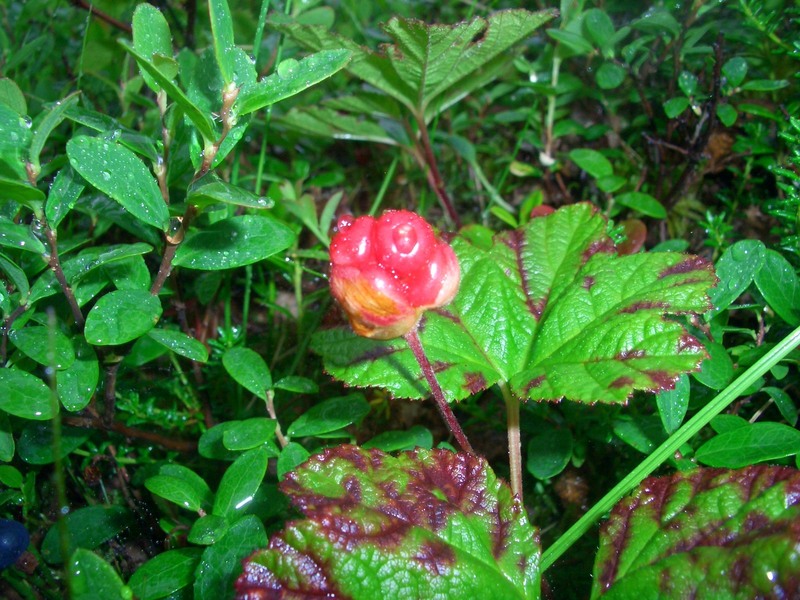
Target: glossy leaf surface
[[426, 524], [552, 310], [708, 533], [233, 242]]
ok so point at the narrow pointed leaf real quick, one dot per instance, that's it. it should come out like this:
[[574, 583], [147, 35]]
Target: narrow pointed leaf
[[552, 310], [676, 536], [426, 524], [151, 36], [47, 123], [292, 79], [222, 34], [200, 119]]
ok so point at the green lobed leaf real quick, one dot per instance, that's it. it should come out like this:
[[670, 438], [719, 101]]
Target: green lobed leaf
[[550, 309], [180, 343], [182, 486], [430, 67], [292, 79], [122, 316], [165, 573], [86, 528], [221, 562], [46, 345], [424, 524], [753, 443], [91, 577], [676, 536], [233, 242], [25, 395], [240, 482], [330, 415], [118, 173], [151, 37], [248, 369]]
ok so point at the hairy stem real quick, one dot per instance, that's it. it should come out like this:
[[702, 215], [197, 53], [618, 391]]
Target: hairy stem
[[514, 443], [432, 173], [412, 337]]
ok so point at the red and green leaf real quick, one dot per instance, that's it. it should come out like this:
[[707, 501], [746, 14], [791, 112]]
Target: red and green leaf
[[709, 533], [550, 309], [424, 524]]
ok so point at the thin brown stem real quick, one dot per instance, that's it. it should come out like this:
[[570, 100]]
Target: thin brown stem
[[165, 441], [412, 337], [514, 444], [55, 265], [103, 16]]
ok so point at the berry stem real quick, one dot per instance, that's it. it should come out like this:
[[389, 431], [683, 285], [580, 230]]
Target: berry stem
[[412, 337]]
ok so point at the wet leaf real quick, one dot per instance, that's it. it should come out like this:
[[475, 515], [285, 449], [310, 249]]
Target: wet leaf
[[25, 395], [180, 343], [330, 415], [292, 79], [165, 573], [91, 577], [122, 316], [233, 242], [36, 446], [426, 524], [749, 444], [676, 536], [240, 482], [552, 310], [121, 175], [151, 37], [248, 369], [221, 562], [86, 528], [182, 486], [47, 346]]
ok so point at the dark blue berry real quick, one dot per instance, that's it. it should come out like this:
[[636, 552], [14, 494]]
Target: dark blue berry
[[14, 540]]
